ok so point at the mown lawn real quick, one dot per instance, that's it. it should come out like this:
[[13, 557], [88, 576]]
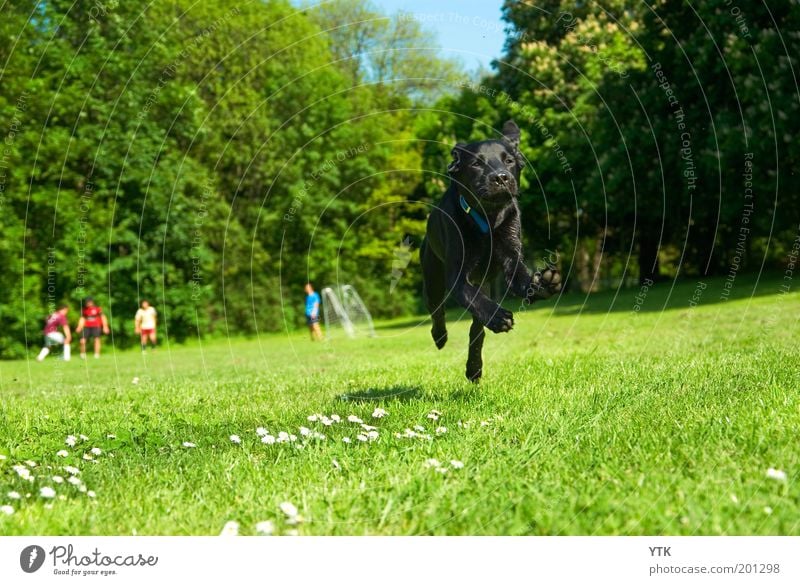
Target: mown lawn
[[593, 418]]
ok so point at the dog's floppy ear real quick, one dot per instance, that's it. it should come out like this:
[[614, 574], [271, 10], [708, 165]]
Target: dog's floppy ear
[[456, 154], [511, 133]]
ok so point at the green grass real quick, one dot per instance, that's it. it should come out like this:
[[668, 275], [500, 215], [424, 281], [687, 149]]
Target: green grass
[[597, 420]]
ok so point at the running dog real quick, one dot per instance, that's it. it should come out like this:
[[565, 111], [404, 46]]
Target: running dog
[[472, 235]]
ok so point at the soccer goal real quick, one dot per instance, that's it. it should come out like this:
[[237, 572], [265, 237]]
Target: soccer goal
[[343, 308]]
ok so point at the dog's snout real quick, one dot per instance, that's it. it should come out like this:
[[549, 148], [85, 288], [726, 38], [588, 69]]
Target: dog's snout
[[501, 178]]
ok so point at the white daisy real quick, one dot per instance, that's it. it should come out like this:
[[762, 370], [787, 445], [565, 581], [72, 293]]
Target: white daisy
[[442, 469], [74, 480], [187, 444], [367, 427], [83, 437], [312, 417], [305, 431], [379, 413], [2, 457], [96, 450], [456, 464], [336, 418], [14, 495], [335, 464], [7, 510], [433, 416], [734, 499], [265, 528], [47, 492], [235, 439], [283, 436], [354, 419], [432, 463], [767, 510], [30, 463], [441, 430], [346, 440], [289, 509], [91, 494], [372, 435], [135, 381], [88, 457], [23, 472], [776, 474], [71, 470], [361, 437], [326, 421], [231, 528], [261, 431], [71, 440], [63, 453], [58, 479], [111, 436], [82, 488], [268, 439], [419, 428]]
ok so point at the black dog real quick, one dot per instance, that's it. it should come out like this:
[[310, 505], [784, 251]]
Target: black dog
[[473, 234]]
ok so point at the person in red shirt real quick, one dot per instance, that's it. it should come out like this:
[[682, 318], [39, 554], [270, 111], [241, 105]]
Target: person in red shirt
[[53, 337], [92, 325]]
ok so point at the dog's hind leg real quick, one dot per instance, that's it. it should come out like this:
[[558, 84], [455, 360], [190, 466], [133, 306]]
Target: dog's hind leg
[[474, 357], [433, 291]]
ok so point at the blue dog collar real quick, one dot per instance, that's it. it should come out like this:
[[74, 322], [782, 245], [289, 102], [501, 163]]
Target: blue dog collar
[[483, 225]]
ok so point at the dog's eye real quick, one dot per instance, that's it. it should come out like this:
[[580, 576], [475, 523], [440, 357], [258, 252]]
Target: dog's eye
[[476, 163], [510, 161]]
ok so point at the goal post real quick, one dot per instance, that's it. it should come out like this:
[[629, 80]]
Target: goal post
[[343, 307], [334, 313]]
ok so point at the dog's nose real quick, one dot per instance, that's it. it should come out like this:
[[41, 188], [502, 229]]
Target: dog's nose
[[501, 178]]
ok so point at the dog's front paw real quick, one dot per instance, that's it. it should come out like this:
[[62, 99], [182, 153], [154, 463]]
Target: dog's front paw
[[439, 337], [501, 321], [545, 284]]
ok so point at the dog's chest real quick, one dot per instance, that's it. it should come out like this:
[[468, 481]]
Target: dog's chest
[[483, 263]]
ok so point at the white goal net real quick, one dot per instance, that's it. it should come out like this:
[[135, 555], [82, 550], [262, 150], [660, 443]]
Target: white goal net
[[344, 310]]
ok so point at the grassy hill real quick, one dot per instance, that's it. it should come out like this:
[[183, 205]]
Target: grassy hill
[[629, 413]]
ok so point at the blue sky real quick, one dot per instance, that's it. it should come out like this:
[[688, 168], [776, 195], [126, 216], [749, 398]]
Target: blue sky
[[469, 29]]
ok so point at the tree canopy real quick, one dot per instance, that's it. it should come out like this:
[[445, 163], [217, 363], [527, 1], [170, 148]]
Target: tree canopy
[[212, 157]]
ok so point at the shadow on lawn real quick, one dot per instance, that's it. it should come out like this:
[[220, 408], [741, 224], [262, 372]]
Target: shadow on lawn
[[400, 392]]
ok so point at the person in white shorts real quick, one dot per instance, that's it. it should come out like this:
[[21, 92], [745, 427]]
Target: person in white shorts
[[53, 337], [145, 324]]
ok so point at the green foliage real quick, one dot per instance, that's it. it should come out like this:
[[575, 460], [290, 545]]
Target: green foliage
[[208, 157], [213, 157], [639, 122]]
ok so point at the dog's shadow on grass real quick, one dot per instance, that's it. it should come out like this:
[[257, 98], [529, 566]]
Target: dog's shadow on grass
[[400, 393]]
